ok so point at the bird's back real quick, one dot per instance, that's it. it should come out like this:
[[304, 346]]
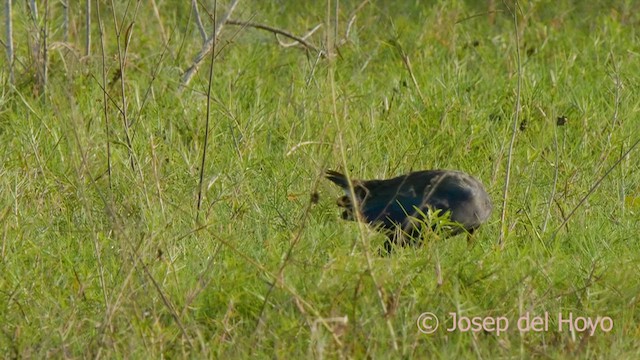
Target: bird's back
[[391, 202]]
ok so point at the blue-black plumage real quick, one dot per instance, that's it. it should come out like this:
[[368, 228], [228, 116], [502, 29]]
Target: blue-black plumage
[[393, 205]]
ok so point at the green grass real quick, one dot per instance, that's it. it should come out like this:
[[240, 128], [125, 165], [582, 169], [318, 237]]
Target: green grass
[[113, 264]]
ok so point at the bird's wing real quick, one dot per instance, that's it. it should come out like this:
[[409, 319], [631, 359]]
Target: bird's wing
[[390, 201]]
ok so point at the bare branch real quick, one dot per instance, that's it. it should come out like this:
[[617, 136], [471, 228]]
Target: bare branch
[[34, 9], [348, 31], [196, 12], [206, 48], [301, 40], [503, 217], [296, 42], [352, 20]]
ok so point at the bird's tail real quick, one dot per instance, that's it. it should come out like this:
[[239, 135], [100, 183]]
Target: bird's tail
[[344, 201], [337, 178]]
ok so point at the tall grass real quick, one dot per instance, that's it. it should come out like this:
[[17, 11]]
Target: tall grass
[[100, 258]]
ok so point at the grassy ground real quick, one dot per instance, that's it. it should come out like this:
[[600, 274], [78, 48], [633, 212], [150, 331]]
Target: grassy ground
[[102, 255]]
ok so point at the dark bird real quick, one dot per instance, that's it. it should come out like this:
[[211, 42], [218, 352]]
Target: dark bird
[[400, 206]]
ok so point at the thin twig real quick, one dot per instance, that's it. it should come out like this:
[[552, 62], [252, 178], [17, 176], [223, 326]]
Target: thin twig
[[45, 49], [352, 20], [105, 98], [562, 214], [154, 75], [166, 301], [304, 143], [614, 119], [622, 184], [37, 47], [287, 257], [122, 56], [202, 282], [156, 175], [277, 280], [407, 64], [65, 21], [313, 69], [296, 42], [9, 45], [348, 31], [483, 14], [555, 180], [208, 117], [87, 20], [101, 277], [196, 12], [505, 195], [594, 187], [156, 13], [301, 40], [112, 100]]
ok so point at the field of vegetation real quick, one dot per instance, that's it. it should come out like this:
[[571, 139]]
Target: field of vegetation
[[162, 190]]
